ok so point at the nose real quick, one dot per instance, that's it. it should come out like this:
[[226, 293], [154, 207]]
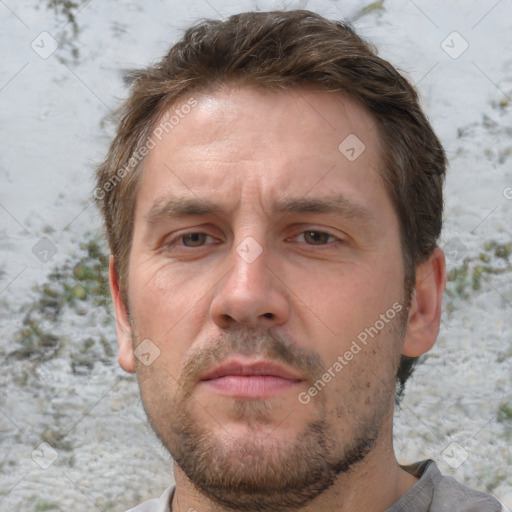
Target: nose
[[251, 294]]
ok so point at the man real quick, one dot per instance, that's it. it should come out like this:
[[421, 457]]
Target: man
[[273, 198]]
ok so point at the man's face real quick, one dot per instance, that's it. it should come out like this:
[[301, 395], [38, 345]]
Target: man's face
[[261, 252]]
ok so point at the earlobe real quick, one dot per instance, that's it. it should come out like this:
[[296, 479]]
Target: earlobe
[[123, 328], [426, 302]]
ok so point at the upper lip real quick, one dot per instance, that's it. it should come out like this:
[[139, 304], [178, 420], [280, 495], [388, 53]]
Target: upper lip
[[257, 368]]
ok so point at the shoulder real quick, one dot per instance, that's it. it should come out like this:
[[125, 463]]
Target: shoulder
[[439, 493], [452, 495], [161, 504], [147, 506]]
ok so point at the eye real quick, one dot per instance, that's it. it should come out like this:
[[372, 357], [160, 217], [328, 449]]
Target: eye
[[193, 239], [315, 237]]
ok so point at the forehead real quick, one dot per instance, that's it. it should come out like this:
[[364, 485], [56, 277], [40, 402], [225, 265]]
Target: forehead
[[272, 144]]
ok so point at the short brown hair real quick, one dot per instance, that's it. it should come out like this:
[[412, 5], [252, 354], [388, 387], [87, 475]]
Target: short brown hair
[[282, 50]]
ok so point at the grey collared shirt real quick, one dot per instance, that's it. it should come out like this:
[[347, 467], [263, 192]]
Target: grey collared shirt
[[433, 492]]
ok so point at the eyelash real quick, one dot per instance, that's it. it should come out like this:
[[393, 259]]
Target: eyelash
[[180, 238], [317, 231]]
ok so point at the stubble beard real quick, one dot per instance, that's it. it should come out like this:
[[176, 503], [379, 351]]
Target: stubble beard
[[259, 471]]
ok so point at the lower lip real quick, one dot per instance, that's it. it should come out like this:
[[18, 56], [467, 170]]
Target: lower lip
[[250, 386]]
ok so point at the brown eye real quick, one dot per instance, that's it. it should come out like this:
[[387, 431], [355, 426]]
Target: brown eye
[[193, 239], [316, 237]]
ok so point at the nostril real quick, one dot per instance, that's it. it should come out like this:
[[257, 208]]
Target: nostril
[[269, 315]]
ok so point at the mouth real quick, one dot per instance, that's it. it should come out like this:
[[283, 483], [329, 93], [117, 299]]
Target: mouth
[[250, 379]]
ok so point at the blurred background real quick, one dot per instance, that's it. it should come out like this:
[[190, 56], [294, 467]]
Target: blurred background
[[72, 430]]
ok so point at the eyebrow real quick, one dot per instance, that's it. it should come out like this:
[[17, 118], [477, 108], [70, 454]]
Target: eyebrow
[[177, 206], [339, 205]]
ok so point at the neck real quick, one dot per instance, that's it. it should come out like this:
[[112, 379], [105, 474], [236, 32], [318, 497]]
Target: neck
[[372, 485]]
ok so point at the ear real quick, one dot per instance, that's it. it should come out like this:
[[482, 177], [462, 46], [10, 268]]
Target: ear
[[425, 310], [123, 328]]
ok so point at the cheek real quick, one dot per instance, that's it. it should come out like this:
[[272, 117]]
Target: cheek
[[164, 301], [159, 391], [360, 336], [345, 303], [364, 383], [170, 313]]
